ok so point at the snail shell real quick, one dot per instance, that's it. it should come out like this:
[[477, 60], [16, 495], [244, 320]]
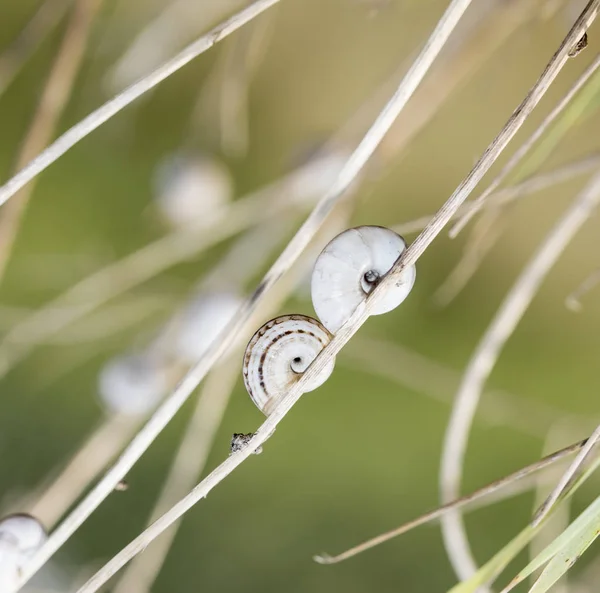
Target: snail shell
[[202, 321], [132, 384], [277, 355], [25, 532], [192, 188], [348, 269], [21, 536]]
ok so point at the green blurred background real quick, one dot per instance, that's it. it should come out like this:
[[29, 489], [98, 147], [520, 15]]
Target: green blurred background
[[361, 455]]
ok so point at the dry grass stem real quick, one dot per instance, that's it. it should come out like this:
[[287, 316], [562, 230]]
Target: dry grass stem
[[483, 238], [557, 435], [163, 35], [509, 194], [52, 103], [41, 24], [241, 63], [92, 458], [189, 462], [567, 477], [483, 360], [405, 367], [526, 146], [359, 316], [169, 408], [136, 90], [573, 301], [459, 503], [144, 264], [468, 54]]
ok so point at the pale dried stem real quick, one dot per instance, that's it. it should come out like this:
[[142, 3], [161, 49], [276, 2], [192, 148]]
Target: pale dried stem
[[481, 241], [526, 146], [509, 194], [142, 265], [298, 243], [188, 464], [195, 446], [54, 98], [459, 503], [473, 50], [95, 454], [44, 20], [112, 107], [345, 333], [165, 33], [573, 301], [483, 360], [558, 434], [417, 372], [567, 477], [490, 227], [240, 64]]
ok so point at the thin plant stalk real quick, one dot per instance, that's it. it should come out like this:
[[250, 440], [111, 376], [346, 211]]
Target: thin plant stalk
[[307, 231], [490, 227], [511, 193], [52, 103], [195, 445], [559, 520], [483, 360], [573, 301], [41, 24], [526, 147], [189, 462], [93, 457], [567, 478], [116, 278], [459, 503], [130, 94], [180, 19], [345, 333]]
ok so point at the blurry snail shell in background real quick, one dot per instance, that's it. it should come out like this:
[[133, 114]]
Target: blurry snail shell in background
[[24, 531], [132, 383], [21, 536], [277, 355], [348, 269], [202, 321], [191, 189]]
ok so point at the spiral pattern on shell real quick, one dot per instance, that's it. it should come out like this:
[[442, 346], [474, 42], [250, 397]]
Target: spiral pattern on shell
[[350, 267], [277, 355]]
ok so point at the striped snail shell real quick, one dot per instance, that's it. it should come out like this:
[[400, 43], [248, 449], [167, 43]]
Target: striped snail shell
[[277, 355], [348, 269]]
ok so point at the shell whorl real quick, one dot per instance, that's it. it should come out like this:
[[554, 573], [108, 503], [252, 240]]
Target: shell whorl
[[348, 269], [277, 355]]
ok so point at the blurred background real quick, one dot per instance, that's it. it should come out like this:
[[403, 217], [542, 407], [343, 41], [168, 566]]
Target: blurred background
[[265, 119]]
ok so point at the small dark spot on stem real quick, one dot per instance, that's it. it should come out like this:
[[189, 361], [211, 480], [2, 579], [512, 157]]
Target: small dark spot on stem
[[579, 46]]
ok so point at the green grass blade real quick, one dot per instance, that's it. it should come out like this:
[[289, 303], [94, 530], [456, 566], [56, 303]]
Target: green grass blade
[[494, 567], [572, 551], [569, 537]]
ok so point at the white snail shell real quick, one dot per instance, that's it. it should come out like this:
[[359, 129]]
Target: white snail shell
[[25, 532], [21, 536], [202, 321], [132, 384], [350, 267], [277, 355], [190, 189]]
